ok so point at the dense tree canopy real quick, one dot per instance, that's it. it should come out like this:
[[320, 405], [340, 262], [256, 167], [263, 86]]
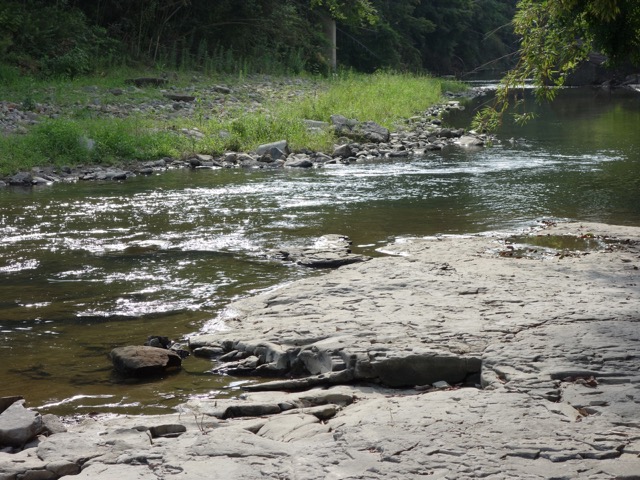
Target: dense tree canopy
[[441, 36], [556, 36], [70, 36]]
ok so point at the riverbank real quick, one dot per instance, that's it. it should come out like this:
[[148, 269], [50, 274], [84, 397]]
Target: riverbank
[[130, 125], [513, 357]]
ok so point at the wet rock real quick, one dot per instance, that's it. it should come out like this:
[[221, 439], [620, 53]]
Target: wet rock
[[39, 181], [18, 425], [208, 352], [557, 341], [329, 251], [298, 162], [158, 341], [266, 158], [22, 179], [470, 141], [144, 361], [245, 160]]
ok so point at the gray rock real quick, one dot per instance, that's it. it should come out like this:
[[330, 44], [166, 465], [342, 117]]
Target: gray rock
[[63, 467], [343, 124], [470, 141], [343, 151], [265, 158], [420, 369], [167, 431], [282, 146], [18, 425], [329, 251], [144, 361], [399, 154], [6, 402], [287, 428], [208, 352], [21, 179], [373, 132], [39, 181], [249, 409], [369, 131], [221, 89], [52, 424], [296, 162], [71, 448], [38, 475], [246, 161]]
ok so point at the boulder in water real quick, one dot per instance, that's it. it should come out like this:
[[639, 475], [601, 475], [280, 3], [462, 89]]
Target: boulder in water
[[143, 361]]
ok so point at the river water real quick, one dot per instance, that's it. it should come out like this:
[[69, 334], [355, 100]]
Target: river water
[[87, 267]]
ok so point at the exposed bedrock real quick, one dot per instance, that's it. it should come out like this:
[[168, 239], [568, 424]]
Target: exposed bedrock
[[551, 320], [444, 309]]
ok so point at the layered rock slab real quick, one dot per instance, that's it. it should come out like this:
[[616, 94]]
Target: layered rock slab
[[434, 310], [555, 334]]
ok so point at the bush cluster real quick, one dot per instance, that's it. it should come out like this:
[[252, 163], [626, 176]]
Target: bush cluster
[[51, 39]]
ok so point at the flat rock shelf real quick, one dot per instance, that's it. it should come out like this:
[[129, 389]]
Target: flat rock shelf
[[509, 360]]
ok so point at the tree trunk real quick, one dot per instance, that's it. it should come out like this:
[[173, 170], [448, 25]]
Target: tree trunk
[[329, 28]]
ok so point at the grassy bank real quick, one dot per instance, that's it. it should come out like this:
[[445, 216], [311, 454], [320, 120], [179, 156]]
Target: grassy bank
[[90, 124]]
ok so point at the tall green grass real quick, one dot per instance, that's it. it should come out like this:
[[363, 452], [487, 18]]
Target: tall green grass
[[79, 138]]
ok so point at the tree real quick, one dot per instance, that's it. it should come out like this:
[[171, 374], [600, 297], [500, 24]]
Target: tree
[[441, 36], [359, 11], [556, 36], [349, 11]]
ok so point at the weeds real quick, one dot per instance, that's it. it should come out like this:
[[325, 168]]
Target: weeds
[[81, 135]]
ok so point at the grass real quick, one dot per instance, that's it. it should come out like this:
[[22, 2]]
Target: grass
[[79, 135]]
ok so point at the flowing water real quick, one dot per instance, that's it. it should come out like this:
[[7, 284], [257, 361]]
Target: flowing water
[[90, 266]]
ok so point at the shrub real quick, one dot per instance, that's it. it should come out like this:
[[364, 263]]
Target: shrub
[[51, 39]]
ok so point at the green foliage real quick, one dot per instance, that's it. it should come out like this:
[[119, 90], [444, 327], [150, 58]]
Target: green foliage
[[50, 38], [441, 36], [76, 142], [73, 37], [385, 97], [356, 12], [556, 36]]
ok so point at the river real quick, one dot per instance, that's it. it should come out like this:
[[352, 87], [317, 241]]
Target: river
[[90, 266]]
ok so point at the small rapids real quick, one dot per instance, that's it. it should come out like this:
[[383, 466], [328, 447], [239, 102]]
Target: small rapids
[[88, 267]]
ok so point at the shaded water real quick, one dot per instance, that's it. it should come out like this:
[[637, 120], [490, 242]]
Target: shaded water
[[89, 266]]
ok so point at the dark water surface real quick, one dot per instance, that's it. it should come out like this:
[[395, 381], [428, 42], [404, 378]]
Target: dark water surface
[[90, 266]]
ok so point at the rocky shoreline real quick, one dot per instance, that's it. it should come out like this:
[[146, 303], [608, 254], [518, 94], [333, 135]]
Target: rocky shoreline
[[511, 357], [356, 139]]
